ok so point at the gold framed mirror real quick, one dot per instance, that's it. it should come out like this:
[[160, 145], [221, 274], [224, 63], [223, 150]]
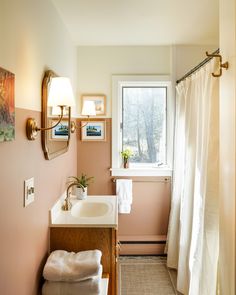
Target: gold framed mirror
[[55, 141]]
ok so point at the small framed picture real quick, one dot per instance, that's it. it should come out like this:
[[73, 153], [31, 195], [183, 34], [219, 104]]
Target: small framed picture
[[60, 132], [93, 130], [100, 103]]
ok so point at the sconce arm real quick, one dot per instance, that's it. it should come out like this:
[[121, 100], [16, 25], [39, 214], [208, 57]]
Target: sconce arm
[[74, 126], [32, 128], [49, 128]]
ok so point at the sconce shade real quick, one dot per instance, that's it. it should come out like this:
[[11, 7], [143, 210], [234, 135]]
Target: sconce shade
[[60, 95], [60, 92], [56, 111], [88, 108]]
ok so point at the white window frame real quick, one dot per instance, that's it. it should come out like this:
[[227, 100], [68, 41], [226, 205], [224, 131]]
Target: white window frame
[[118, 82]]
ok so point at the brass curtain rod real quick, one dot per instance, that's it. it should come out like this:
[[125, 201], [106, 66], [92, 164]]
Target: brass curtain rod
[[224, 65], [206, 60]]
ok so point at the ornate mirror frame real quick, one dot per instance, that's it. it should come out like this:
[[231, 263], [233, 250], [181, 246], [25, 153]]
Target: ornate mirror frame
[[53, 145]]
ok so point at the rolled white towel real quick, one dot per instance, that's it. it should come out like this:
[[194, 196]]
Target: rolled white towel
[[88, 287], [69, 266]]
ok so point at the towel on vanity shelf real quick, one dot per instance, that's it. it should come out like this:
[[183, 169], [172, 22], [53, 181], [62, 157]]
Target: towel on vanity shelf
[[69, 266], [124, 193], [87, 287]]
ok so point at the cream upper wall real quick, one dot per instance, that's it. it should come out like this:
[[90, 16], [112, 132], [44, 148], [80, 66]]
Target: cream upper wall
[[96, 65], [188, 56], [34, 39]]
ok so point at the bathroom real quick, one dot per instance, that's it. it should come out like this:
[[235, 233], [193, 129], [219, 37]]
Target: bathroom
[[35, 39]]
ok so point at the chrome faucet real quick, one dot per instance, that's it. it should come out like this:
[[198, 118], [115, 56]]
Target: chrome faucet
[[67, 203]]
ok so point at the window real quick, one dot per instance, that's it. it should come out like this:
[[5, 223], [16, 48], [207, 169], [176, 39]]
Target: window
[[144, 124], [142, 120]]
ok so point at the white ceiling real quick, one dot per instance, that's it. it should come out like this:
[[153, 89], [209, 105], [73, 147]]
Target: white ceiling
[[140, 22]]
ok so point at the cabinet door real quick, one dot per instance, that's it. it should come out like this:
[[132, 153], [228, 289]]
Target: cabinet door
[[82, 239]]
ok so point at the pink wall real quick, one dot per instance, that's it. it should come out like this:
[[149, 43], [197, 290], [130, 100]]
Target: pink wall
[[150, 208], [151, 195], [24, 231], [94, 159], [148, 219]]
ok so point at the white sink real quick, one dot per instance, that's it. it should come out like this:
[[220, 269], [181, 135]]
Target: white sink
[[90, 208], [94, 211]]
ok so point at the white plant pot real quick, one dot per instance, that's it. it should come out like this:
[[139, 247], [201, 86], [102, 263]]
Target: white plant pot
[[80, 194]]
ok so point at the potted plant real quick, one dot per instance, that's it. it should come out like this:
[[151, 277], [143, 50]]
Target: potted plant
[[126, 154], [80, 185]]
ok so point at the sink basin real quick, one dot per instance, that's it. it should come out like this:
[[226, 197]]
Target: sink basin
[[94, 208], [94, 211]]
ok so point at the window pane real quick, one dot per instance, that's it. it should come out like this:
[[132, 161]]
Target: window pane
[[144, 123]]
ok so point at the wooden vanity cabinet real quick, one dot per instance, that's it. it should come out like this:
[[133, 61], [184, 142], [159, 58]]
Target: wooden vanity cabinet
[[80, 239]]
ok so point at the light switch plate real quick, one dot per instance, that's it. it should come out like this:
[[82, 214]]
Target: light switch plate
[[28, 191]]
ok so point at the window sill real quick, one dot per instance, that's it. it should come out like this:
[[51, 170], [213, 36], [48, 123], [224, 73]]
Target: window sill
[[165, 171]]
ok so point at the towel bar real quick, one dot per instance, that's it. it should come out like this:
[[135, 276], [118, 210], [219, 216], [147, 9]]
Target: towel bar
[[166, 179]]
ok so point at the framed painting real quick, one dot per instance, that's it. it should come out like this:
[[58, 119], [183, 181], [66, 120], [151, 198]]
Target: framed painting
[[60, 132], [7, 106], [93, 131], [100, 103]]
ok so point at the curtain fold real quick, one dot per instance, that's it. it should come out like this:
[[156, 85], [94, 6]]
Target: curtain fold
[[193, 226]]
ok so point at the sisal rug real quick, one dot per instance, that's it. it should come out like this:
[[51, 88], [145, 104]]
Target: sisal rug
[[144, 276]]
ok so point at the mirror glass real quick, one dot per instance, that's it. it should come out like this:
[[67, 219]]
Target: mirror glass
[[56, 141]]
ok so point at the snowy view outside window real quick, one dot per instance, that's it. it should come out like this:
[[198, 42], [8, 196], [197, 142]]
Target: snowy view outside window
[[144, 124]]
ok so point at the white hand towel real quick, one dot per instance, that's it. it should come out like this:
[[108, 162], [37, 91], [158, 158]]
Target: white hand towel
[[87, 287], [124, 193], [69, 266]]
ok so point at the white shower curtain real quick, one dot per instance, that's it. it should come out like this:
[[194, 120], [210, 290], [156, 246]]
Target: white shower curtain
[[193, 227]]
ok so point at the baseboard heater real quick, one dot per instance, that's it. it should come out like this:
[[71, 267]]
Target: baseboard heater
[[142, 245]]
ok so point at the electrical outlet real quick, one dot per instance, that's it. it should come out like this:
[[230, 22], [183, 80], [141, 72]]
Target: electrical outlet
[[28, 191]]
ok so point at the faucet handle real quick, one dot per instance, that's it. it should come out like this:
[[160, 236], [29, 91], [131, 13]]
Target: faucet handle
[[66, 205]]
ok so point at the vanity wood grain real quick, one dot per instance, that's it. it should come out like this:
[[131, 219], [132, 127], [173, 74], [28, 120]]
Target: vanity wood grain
[[82, 239]]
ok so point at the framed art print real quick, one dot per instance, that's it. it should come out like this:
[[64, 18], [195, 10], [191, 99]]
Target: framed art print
[[61, 131], [93, 131], [100, 103]]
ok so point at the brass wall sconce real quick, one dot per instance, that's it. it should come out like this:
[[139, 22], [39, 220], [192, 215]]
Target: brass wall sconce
[[88, 110], [60, 95]]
